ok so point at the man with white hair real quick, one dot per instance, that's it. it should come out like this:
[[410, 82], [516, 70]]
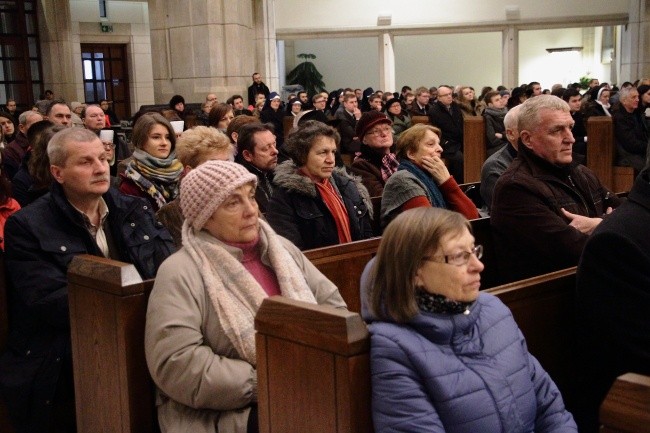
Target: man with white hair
[[545, 205]]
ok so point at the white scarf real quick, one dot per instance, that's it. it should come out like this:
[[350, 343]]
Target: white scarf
[[234, 293]]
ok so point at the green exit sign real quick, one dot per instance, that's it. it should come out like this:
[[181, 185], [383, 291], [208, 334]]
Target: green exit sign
[[106, 27]]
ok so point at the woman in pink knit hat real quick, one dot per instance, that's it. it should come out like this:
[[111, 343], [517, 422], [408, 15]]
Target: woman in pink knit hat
[[200, 338]]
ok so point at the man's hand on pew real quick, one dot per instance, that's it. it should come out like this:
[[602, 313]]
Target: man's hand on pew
[[583, 224]]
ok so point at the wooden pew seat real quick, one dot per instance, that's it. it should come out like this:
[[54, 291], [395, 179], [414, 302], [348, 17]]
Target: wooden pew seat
[[601, 155]]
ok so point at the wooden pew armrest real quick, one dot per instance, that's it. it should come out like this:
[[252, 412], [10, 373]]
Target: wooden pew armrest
[[627, 405]]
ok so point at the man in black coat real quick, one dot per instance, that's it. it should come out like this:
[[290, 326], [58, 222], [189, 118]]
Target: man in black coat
[[613, 301], [446, 115], [257, 87], [80, 215]]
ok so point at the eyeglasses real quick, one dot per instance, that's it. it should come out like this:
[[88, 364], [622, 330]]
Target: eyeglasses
[[378, 131], [444, 95], [109, 145], [460, 258]]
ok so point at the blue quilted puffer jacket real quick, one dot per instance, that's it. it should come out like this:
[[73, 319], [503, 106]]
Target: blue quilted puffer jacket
[[460, 374]]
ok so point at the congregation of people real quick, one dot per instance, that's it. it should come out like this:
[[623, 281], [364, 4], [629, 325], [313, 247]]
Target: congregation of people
[[219, 203]]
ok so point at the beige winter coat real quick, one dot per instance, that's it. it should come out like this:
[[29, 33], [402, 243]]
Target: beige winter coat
[[203, 385]]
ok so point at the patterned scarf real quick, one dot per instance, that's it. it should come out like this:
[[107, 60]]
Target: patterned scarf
[[234, 293], [157, 177], [438, 304], [433, 193], [387, 163]]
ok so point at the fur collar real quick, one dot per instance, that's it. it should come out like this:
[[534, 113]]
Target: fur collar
[[286, 176]]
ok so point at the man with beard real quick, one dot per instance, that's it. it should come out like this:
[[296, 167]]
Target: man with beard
[[80, 215]]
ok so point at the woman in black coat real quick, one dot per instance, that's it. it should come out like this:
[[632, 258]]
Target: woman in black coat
[[314, 203]]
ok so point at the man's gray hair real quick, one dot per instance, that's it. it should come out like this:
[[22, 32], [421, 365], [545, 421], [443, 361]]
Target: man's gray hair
[[57, 149], [625, 93], [512, 118], [529, 113], [25, 115]]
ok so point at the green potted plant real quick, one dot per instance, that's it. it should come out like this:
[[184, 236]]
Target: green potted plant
[[306, 74]]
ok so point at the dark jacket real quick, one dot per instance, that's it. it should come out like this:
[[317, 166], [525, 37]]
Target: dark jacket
[[531, 234], [254, 89], [451, 126], [368, 166], [493, 124], [579, 131], [297, 212], [41, 240], [264, 189], [631, 138], [269, 115], [13, 155], [613, 301], [346, 129]]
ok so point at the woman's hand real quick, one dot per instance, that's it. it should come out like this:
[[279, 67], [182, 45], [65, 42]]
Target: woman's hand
[[436, 168]]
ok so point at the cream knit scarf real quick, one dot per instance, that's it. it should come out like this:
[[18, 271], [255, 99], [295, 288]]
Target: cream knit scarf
[[234, 293]]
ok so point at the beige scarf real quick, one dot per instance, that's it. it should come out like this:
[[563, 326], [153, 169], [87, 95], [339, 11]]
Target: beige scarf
[[234, 293]]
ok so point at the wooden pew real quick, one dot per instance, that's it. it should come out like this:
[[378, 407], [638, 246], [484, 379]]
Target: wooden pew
[[287, 123], [108, 305], [317, 354], [626, 409], [420, 119], [344, 263], [474, 147], [601, 155], [313, 369]]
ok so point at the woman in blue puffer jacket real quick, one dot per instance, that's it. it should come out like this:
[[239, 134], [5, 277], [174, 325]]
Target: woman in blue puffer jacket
[[445, 358]]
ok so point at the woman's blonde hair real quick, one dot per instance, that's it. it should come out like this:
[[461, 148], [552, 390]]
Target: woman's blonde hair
[[408, 239], [194, 144], [410, 139]]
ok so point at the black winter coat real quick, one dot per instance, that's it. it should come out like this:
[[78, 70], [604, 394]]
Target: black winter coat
[[297, 212], [40, 242], [613, 302]]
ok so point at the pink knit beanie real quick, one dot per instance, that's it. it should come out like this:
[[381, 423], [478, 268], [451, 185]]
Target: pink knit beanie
[[204, 188]]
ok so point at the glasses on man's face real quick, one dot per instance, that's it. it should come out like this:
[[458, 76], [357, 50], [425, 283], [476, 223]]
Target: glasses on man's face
[[109, 145], [459, 259], [381, 131], [444, 95]]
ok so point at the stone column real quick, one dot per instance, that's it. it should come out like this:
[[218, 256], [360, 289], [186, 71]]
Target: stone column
[[510, 57], [207, 46], [386, 63], [635, 51], [59, 50]]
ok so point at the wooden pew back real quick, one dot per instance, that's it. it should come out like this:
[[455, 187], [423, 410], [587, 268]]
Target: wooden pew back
[[474, 147], [601, 155], [344, 263], [313, 369], [108, 306]]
